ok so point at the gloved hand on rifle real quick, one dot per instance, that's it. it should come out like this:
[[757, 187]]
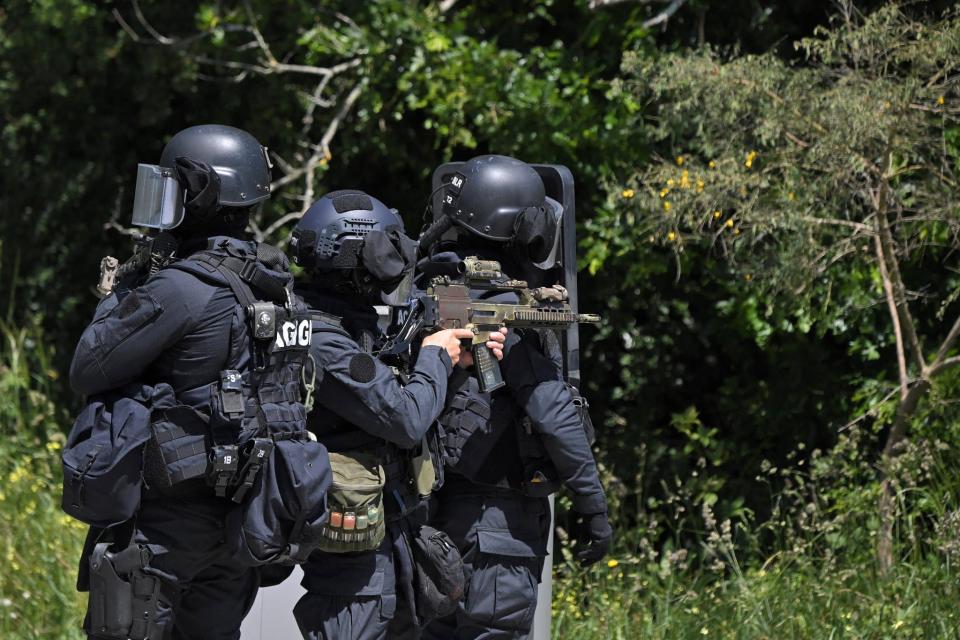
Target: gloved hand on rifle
[[452, 340], [592, 534]]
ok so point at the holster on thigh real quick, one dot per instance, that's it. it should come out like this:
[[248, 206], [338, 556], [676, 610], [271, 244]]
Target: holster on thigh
[[124, 599]]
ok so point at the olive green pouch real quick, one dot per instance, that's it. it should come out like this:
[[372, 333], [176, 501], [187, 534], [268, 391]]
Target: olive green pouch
[[355, 504]]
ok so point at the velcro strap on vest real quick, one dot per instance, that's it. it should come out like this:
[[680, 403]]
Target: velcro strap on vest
[[459, 402]]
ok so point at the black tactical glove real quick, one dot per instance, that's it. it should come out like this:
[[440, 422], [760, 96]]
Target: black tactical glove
[[592, 534]]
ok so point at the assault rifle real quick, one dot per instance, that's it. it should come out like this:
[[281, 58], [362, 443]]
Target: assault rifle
[[447, 304], [150, 254]]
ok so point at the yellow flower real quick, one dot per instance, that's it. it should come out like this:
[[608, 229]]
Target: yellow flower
[[700, 185], [666, 206], [729, 222], [671, 236], [680, 160], [671, 182], [750, 158], [664, 192], [53, 446], [18, 474], [712, 164], [612, 563], [736, 232], [940, 100], [898, 624], [628, 193], [717, 214]]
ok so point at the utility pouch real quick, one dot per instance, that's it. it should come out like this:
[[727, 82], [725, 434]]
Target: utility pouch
[[123, 598], [231, 394], [283, 504], [103, 460], [438, 574], [356, 520], [179, 446]]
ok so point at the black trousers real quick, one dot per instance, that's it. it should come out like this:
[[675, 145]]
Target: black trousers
[[209, 594]]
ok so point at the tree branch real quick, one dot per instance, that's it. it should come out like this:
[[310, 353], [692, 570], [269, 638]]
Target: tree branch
[[664, 15], [945, 347], [939, 368], [149, 28], [894, 318], [280, 222], [889, 254], [859, 226]]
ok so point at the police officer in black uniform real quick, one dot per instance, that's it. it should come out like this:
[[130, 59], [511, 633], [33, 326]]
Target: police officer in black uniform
[[185, 327], [499, 517], [356, 254]]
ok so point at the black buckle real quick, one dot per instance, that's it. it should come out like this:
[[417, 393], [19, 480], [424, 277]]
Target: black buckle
[[248, 270]]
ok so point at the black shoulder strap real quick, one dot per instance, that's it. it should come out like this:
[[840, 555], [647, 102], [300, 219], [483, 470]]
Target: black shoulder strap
[[245, 269], [329, 318]]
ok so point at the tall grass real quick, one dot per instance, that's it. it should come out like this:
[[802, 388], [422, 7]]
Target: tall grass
[[806, 572], [39, 544]]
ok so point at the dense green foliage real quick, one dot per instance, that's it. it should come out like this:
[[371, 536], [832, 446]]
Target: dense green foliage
[[746, 376]]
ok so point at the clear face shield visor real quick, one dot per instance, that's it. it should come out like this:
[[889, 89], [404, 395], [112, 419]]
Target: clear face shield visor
[[158, 199], [400, 297]]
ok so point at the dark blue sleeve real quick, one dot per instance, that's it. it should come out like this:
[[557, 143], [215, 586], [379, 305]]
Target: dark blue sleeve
[[536, 383], [128, 334], [365, 392]]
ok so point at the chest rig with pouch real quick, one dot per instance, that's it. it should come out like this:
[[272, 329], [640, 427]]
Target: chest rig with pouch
[[374, 481], [245, 434]]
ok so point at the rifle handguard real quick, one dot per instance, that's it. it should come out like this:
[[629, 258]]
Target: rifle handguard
[[487, 368]]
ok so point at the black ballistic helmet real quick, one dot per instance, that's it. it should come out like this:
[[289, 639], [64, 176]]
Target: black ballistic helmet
[[493, 190], [502, 200], [354, 238], [239, 160]]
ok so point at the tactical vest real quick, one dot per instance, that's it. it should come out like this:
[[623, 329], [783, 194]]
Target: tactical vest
[[374, 481], [488, 440], [225, 434]]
